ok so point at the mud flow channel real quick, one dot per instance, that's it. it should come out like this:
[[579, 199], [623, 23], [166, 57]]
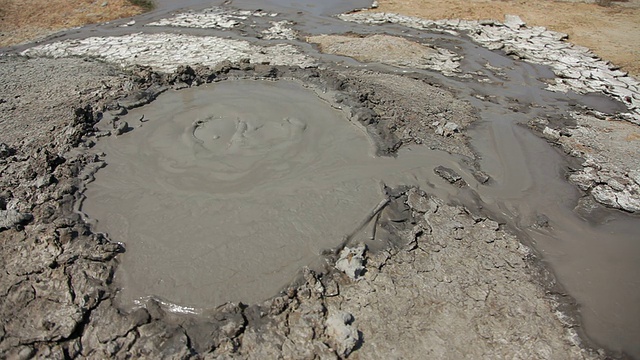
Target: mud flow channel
[[228, 190]]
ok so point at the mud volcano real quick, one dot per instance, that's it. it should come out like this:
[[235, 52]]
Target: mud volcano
[[227, 191]]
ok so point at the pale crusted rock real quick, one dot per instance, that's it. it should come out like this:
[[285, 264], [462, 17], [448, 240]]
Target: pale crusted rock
[[351, 261], [343, 337], [43, 181], [605, 195], [489, 224], [584, 178], [165, 52], [208, 19], [629, 201], [551, 134], [280, 30], [608, 156], [447, 129], [513, 22], [450, 128], [212, 18]]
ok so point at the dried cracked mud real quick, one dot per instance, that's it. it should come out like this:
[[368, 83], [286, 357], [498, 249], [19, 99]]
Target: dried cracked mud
[[276, 182]]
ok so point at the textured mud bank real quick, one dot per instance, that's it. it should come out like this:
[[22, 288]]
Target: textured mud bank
[[330, 314], [454, 271]]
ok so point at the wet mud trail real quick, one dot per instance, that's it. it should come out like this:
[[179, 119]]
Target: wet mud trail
[[223, 192]]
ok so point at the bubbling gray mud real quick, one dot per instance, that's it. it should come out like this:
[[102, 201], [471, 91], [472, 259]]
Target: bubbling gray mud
[[229, 190]]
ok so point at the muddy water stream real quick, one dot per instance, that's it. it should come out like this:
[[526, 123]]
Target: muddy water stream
[[595, 261]]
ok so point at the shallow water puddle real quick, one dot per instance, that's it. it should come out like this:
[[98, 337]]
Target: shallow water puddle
[[229, 190]]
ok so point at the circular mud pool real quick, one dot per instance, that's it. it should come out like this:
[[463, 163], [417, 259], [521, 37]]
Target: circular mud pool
[[227, 190]]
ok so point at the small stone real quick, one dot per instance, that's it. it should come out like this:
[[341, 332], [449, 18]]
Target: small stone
[[451, 127], [628, 201], [542, 221], [513, 22], [418, 200], [448, 129], [44, 181], [450, 175], [481, 176], [331, 288], [585, 178], [605, 195], [490, 224], [551, 134], [121, 128], [351, 261], [342, 335], [121, 110], [6, 151]]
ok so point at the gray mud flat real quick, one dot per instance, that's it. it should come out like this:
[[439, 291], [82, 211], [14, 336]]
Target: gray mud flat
[[456, 272], [448, 265]]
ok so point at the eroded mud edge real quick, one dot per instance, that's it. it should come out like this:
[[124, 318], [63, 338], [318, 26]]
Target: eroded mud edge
[[58, 273]]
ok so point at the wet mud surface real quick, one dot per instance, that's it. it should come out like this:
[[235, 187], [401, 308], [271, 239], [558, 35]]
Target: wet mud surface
[[477, 245], [236, 186]]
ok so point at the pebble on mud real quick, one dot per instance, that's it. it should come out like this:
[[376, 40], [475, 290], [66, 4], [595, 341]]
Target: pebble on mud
[[343, 337], [351, 261]]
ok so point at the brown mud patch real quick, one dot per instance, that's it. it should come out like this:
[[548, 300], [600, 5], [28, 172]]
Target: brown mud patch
[[27, 20], [612, 32]]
